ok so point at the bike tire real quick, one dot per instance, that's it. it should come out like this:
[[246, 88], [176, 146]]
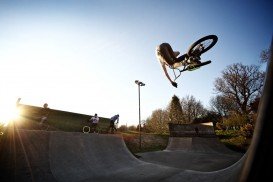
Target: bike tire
[[212, 38]]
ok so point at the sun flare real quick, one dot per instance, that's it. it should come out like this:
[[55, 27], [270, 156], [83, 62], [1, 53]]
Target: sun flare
[[8, 113]]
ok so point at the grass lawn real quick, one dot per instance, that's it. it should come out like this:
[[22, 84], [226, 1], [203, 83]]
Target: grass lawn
[[149, 141]]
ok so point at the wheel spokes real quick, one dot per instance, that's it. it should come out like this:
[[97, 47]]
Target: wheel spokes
[[202, 46], [207, 43]]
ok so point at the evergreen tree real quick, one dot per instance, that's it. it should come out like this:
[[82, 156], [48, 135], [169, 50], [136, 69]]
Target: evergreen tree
[[175, 111]]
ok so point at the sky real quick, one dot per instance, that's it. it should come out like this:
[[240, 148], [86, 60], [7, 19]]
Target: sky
[[84, 56]]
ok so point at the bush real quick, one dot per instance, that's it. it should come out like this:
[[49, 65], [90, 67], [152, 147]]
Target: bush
[[235, 121], [227, 133], [220, 126], [247, 130], [122, 128], [238, 143]]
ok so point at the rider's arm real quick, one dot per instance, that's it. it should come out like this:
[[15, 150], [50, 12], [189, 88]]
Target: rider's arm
[[167, 75]]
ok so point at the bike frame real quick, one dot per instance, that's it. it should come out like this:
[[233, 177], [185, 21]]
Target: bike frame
[[189, 67]]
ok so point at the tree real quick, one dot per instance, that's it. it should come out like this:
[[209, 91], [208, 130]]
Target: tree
[[191, 109], [265, 56], [175, 111], [132, 128], [122, 128], [158, 122], [241, 84], [222, 105]]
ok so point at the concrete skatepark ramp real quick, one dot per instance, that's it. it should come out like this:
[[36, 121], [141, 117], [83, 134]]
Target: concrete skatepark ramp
[[193, 153], [200, 151], [197, 144], [191, 150], [72, 156], [98, 158]]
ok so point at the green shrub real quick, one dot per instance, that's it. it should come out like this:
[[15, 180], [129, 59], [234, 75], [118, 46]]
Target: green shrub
[[235, 121], [227, 133], [238, 143]]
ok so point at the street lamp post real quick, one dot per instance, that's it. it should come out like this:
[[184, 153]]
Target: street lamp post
[[139, 83]]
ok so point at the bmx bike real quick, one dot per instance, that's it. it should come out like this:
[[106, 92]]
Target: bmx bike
[[193, 55], [112, 128], [88, 129]]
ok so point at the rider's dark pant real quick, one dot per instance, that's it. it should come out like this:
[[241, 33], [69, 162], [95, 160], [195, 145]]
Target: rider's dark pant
[[112, 126], [166, 51], [181, 58]]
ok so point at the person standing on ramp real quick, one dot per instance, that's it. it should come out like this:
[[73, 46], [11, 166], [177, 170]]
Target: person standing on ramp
[[95, 120]]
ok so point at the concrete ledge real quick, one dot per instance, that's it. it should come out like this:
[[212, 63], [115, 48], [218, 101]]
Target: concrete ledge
[[191, 130]]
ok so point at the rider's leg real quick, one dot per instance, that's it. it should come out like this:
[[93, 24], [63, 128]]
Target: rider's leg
[[166, 53], [43, 119], [182, 58], [180, 61], [185, 58], [172, 54], [95, 128], [111, 126], [176, 53]]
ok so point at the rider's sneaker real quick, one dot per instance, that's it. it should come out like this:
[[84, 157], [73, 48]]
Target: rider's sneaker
[[176, 53]]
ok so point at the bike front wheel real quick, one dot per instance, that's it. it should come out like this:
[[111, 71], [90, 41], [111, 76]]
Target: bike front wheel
[[202, 45]]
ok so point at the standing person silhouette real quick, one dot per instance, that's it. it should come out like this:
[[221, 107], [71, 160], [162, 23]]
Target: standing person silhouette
[[95, 120], [112, 123], [44, 113]]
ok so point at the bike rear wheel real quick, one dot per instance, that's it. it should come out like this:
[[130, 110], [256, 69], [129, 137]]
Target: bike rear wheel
[[203, 44]]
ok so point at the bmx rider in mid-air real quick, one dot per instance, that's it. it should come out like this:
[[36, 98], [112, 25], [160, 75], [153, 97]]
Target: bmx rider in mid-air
[[189, 61], [168, 57]]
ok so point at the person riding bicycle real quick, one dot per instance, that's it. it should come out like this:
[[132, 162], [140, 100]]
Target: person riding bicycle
[[44, 113], [168, 57], [112, 123]]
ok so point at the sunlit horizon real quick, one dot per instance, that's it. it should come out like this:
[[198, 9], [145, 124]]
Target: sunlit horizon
[[8, 112]]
